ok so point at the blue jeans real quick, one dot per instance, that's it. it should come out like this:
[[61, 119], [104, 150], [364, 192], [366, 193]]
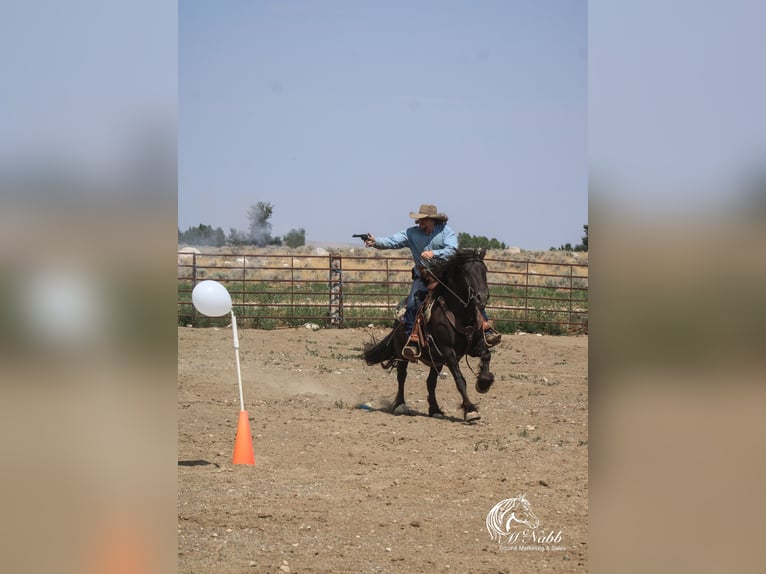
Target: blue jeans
[[417, 295]]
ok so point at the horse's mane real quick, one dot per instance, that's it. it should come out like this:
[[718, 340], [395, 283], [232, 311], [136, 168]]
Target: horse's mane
[[460, 258]]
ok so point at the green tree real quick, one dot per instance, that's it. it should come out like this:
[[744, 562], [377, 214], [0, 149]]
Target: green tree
[[580, 247], [465, 240], [237, 237], [260, 226], [584, 243], [295, 237], [202, 235]]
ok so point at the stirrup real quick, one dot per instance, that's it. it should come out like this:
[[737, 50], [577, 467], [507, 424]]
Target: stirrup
[[411, 350]]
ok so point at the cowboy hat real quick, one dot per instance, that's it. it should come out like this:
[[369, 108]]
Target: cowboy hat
[[428, 212]]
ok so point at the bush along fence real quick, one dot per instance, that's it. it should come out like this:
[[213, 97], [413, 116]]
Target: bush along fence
[[270, 291]]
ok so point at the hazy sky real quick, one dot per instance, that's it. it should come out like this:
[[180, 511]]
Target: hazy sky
[[676, 97], [346, 115]]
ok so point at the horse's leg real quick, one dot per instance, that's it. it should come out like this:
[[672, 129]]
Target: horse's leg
[[470, 412], [401, 375], [486, 378], [433, 406]]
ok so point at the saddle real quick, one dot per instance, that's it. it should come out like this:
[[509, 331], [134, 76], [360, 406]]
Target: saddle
[[419, 329], [423, 317]]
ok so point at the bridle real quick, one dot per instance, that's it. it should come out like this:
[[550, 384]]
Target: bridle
[[469, 287]]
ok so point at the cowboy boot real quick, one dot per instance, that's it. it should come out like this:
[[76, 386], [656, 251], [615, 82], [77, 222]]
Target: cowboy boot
[[411, 350], [491, 336]]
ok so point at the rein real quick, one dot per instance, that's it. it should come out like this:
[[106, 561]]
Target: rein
[[458, 297], [455, 295]]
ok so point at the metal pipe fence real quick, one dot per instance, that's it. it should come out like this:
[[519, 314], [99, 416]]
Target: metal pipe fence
[[273, 290]]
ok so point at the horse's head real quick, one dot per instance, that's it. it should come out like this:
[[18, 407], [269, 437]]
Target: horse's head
[[509, 514], [475, 276], [465, 275], [521, 512]]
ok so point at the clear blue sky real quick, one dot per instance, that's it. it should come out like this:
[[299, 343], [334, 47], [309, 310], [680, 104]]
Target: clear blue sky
[[346, 115]]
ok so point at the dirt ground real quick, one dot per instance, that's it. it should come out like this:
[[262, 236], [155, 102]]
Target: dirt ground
[[338, 488]]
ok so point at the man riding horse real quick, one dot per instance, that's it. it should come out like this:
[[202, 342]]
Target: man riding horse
[[430, 241]]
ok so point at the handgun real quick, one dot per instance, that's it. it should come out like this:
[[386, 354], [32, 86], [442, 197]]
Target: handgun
[[363, 236]]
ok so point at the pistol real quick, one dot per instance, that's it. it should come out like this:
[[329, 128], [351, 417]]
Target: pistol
[[363, 236]]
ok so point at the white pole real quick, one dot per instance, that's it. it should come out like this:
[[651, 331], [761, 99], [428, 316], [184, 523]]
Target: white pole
[[236, 354]]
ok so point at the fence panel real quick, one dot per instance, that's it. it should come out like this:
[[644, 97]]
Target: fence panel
[[273, 290]]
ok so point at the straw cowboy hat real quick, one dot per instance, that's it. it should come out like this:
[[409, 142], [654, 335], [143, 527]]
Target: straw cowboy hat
[[429, 212]]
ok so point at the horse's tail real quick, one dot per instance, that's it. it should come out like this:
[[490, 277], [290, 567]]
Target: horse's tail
[[375, 353]]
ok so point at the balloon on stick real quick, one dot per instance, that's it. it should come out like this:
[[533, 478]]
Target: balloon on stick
[[211, 298], [243, 444]]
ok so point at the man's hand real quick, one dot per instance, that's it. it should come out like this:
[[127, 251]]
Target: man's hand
[[370, 240], [427, 255]]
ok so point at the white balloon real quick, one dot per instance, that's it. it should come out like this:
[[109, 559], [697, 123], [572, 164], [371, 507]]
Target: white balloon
[[211, 298]]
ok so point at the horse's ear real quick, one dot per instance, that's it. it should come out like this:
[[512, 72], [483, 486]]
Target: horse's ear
[[482, 253]]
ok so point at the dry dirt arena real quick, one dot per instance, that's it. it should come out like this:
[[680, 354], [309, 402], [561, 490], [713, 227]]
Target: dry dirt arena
[[337, 488]]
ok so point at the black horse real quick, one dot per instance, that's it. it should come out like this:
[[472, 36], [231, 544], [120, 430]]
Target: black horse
[[454, 330]]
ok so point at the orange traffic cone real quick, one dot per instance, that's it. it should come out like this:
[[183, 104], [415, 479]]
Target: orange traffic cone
[[243, 444], [120, 547]]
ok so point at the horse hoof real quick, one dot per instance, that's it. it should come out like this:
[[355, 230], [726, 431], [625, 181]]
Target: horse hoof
[[400, 409], [437, 415], [482, 389], [483, 386], [472, 416]]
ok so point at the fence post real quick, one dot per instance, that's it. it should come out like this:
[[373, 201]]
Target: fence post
[[194, 284], [526, 293], [388, 284], [335, 315], [244, 284], [571, 291], [292, 287]]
